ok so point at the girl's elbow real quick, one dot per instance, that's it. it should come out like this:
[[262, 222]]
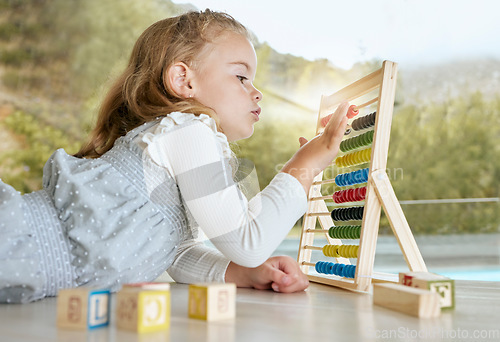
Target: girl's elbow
[[249, 261]]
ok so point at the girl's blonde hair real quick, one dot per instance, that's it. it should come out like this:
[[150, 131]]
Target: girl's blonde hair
[[142, 93]]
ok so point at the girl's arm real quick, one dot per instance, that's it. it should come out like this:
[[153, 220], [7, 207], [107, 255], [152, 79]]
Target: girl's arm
[[246, 232], [197, 263]]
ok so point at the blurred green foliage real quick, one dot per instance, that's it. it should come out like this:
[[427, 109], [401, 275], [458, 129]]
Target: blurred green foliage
[[445, 151], [57, 56], [41, 140]]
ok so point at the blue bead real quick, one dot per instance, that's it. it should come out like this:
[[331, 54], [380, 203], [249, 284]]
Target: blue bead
[[365, 175], [353, 271], [338, 180], [340, 269]]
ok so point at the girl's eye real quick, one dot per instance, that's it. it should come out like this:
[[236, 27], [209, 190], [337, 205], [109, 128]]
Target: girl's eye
[[241, 78]]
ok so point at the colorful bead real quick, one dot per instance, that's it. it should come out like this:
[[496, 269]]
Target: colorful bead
[[352, 111], [354, 158], [352, 178], [345, 232], [361, 140], [364, 122], [344, 251], [350, 195], [347, 214], [341, 270]]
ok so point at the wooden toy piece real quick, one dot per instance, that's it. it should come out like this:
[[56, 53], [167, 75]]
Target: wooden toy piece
[[212, 302], [352, 111], [366, 147], [142, 310], [83, 308], [150, 286], [442, 285], [409, 300]]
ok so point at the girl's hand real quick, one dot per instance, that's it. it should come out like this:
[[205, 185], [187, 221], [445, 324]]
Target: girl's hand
[[315, 155], [280, 273]]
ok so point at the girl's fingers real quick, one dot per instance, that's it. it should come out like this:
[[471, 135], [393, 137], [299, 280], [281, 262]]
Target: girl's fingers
[[338, 116], [334, 130], [291, 278], [324, 121], [302, 141]]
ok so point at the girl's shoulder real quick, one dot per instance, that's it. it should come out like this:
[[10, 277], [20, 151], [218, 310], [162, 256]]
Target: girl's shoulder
[[176, 121]]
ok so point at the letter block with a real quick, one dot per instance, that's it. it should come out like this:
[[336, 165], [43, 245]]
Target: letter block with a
[[212, 302], [83, 308], [142, 310]]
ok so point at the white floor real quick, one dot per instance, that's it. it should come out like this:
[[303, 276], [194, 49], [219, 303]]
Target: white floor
[[322, 313]]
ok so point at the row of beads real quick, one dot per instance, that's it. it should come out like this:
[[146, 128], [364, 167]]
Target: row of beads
[[342, 270], [351, 178], [350, 195], [364, 122], [354, 158], [361, 140], [347, 214], [345, 232], [344, 251]]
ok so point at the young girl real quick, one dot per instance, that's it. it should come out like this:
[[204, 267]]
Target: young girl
[[157, 166]]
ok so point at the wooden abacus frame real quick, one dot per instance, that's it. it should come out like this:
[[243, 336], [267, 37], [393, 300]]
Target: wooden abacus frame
[[379, 192]]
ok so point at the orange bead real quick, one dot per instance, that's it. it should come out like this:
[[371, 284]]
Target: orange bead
[[352, 111]]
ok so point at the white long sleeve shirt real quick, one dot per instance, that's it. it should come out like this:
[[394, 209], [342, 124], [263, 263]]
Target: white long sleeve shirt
[[245, 231]]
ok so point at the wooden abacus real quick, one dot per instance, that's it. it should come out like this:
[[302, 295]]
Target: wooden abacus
[[377, 88]]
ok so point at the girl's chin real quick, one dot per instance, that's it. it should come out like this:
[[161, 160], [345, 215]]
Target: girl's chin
[[241, 136]]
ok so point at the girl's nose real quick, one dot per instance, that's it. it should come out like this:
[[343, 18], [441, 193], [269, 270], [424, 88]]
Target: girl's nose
[[257, 95]]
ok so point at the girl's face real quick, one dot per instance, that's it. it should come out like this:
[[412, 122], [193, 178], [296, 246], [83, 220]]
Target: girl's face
[[223, 81]]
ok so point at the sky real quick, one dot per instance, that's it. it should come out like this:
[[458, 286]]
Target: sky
[[410, 32]]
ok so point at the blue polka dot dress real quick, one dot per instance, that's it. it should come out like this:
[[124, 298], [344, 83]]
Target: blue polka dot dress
[[92, 224]]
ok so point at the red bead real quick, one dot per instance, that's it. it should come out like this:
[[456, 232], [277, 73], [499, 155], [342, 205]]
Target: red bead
[[352, 111]]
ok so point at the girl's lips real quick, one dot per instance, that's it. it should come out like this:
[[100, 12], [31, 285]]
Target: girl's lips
[[256, 113]]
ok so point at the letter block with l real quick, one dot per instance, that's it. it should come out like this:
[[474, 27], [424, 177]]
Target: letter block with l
[[83, 308]]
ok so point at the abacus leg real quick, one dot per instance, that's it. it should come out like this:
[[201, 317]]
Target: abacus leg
[[398, 222]]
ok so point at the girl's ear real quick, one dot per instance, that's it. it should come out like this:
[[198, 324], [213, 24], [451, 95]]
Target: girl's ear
[[179, 76]]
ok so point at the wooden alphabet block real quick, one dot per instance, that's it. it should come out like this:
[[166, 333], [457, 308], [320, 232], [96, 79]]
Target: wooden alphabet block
[[142, 310], [83, 308], [442, 285], [409, 300], [150, 286], [212, 302]]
